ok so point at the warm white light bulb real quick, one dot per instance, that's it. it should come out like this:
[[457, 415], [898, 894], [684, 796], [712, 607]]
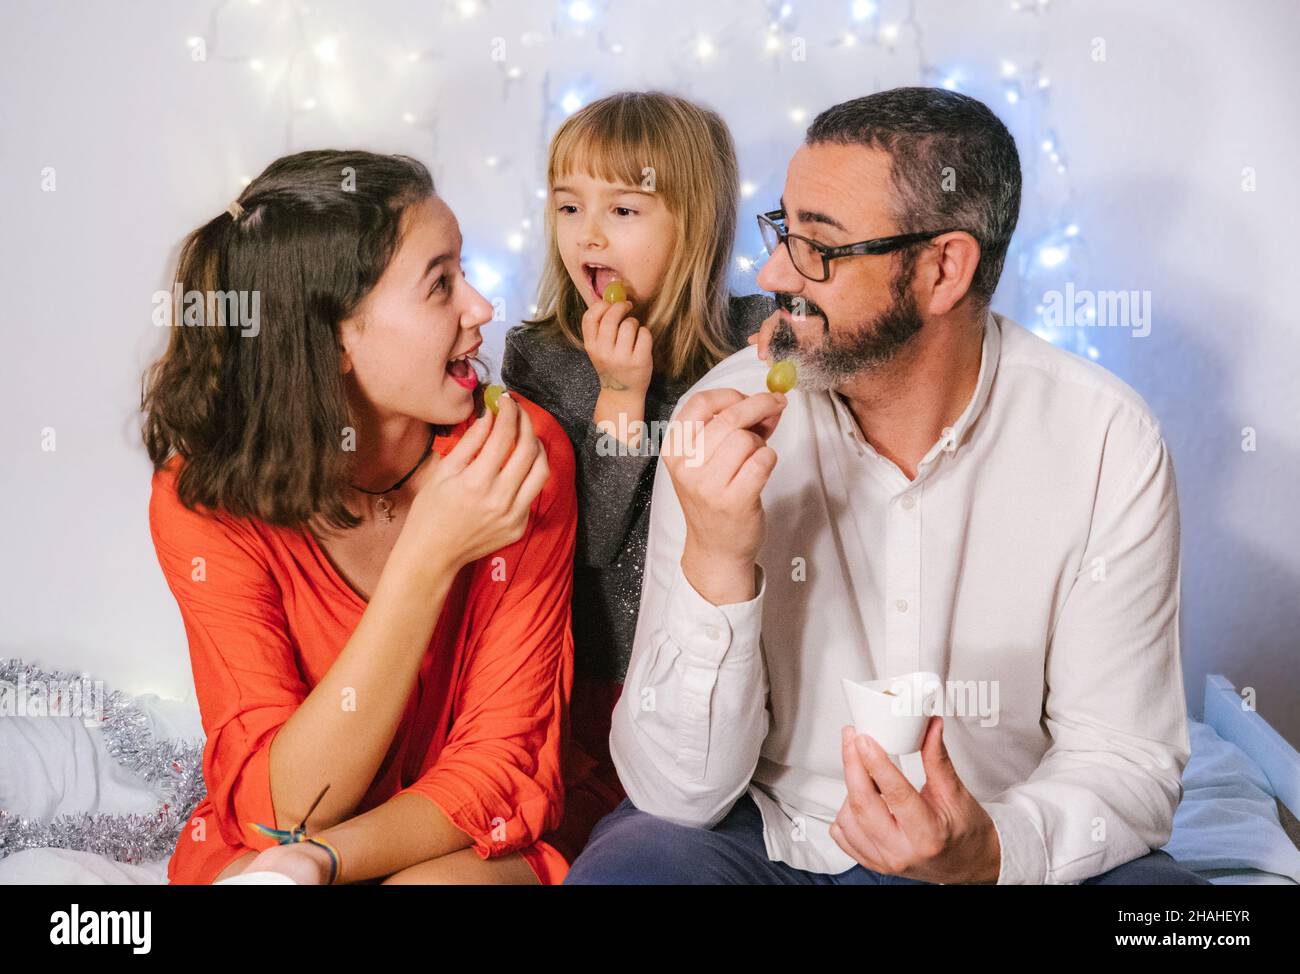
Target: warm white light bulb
[[1052, 256], [484, 277], [327, 49]]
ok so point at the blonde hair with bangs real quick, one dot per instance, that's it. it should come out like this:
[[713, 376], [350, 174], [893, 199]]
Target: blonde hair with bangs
[[688, 151]]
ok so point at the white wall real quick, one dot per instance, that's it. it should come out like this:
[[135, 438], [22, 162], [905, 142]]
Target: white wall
[[146, 142]]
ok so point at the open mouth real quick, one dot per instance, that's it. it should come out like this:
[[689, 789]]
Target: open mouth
[[462, 372], [599, 275]]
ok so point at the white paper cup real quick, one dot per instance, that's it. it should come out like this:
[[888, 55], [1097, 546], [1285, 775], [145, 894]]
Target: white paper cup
[[896, 719]]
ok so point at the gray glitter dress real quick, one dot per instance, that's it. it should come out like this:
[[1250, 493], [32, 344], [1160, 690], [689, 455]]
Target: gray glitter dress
[[613, 491]]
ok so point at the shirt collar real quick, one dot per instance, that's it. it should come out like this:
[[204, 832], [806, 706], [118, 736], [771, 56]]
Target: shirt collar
[[953, 437]]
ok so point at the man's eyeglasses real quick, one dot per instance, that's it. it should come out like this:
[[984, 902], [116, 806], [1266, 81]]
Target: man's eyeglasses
[[813, 260]]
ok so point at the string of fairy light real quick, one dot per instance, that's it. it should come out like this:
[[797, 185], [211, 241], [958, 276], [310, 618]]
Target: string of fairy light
[[305, 71]]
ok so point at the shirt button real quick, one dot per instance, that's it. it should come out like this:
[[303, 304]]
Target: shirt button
[[908, 502], [901, 605], [711, 632]]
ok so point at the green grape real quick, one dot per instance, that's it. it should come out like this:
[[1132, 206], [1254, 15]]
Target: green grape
[[782, 376], [615, 292], [491, 395]]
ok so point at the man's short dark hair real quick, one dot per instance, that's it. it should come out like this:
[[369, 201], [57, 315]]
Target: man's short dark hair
[[954, 164]]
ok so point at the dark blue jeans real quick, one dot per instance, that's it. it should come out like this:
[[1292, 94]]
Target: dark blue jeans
[[630, 847]]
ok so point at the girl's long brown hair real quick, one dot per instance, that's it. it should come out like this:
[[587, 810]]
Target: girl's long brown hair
[[260, 415], [692, 157]]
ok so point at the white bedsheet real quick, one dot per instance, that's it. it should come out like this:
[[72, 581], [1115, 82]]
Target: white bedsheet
[[67, 867], [1228, 821], [51, 766]]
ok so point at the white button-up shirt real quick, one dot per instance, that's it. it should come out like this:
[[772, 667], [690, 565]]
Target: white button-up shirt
[[1033, 563]]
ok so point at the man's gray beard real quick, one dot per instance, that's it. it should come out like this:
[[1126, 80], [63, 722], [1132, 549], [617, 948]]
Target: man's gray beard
[[871, 347]]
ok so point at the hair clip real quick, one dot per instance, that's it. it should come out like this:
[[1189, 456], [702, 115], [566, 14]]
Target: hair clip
[[235, 210]]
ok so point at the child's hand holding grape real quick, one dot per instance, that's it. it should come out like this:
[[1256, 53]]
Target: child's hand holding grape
[[618, 345]]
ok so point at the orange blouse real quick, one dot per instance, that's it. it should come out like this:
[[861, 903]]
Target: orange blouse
[[267, 614]]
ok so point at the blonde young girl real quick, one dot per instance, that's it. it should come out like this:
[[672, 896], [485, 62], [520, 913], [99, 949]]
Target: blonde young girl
[[642, 189]]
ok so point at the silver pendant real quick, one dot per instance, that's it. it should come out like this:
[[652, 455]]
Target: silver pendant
[[385, 508]]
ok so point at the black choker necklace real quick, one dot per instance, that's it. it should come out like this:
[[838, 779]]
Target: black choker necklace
[[383, 505]]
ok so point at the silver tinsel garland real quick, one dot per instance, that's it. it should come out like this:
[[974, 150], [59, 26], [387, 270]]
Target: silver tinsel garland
[[176, 766]]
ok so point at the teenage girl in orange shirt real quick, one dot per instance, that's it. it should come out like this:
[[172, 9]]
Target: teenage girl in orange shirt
[[375, 584]]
